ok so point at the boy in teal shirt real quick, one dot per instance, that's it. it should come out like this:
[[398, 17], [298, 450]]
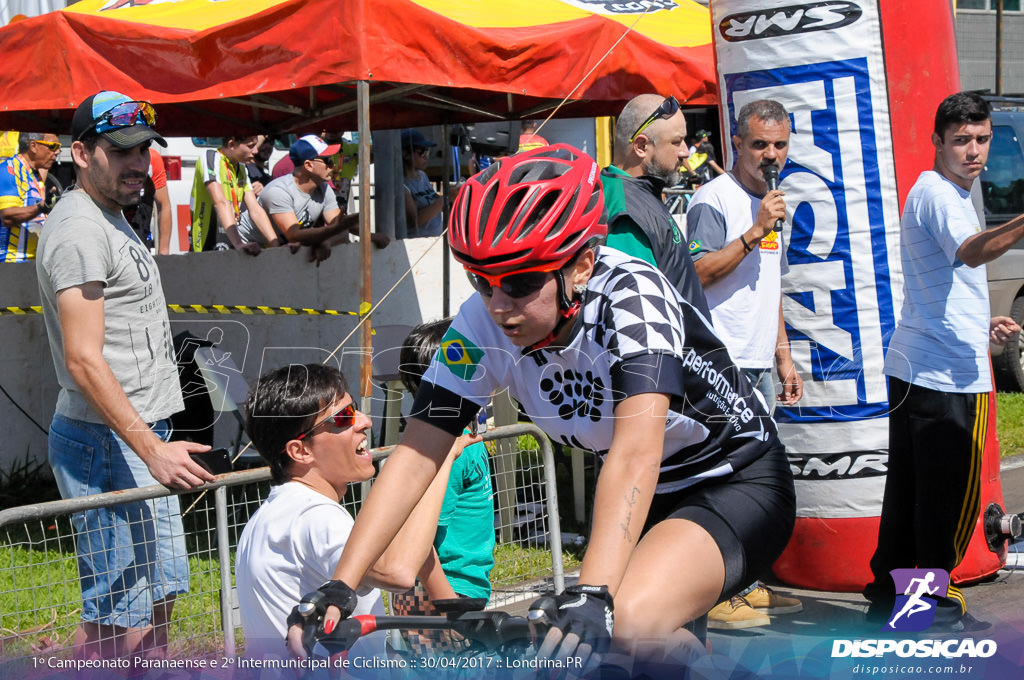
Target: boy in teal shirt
[[465, 529]]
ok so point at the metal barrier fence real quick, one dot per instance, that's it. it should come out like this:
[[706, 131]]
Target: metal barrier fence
[[40, 595]]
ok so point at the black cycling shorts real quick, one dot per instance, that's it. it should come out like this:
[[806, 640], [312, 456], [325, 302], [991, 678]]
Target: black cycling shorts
[[749, 513]]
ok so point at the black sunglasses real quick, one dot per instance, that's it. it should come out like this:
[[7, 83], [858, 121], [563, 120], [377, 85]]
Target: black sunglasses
[[513, 284], [667, 109]]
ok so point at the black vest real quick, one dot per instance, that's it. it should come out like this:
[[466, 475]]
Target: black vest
[[638, 199]]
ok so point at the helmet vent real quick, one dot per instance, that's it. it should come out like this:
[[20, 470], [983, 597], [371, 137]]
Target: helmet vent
[[533, 208], [537, 210], [513, 203], [486, 203]]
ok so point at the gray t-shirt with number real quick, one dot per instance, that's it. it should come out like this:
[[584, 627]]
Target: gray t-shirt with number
[[83, 242], [283, 195]]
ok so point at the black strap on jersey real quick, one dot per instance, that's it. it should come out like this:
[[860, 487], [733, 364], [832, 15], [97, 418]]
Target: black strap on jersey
[[567, 310]]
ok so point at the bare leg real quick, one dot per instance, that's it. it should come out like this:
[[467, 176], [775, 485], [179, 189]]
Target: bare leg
[[95, 641], [154, 646], [675, 575], [90, 643]]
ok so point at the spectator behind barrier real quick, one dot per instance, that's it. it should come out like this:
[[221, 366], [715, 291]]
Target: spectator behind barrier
[[23, 200], [464, 539], [259, 176], [106, 318], [305, 425], [423, 205], [221, 192], [303, 207]]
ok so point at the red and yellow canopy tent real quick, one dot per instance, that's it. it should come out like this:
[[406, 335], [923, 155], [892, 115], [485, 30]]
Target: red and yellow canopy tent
[[289, 65], [217, 67]]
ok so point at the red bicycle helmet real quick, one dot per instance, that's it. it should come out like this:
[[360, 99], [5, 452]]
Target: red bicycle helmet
[[536, 207]]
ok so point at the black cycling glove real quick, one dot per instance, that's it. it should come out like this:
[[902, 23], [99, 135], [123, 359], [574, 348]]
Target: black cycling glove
[[309, 613], [583, 610]]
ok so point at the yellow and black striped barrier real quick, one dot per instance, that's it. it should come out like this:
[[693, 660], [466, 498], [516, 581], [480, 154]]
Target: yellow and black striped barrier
[[250, 310], [21, 311]]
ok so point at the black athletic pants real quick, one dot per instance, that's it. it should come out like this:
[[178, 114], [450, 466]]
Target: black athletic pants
[[933, 487]]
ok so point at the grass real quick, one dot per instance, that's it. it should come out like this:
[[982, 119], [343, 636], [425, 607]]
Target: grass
[[511, 561], [1010, 422], [40, 604], [40, 596]]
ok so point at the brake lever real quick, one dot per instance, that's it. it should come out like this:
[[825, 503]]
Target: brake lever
[[541, 617], [346, 634], [311, 608]]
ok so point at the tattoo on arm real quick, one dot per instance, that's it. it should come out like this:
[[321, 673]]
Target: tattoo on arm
[[631, 502]]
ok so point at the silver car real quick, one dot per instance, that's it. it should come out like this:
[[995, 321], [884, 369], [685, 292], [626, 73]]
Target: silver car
[[1002, 190]]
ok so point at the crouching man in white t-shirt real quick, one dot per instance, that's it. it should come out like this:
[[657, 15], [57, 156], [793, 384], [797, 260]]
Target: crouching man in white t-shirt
[[306, 426]]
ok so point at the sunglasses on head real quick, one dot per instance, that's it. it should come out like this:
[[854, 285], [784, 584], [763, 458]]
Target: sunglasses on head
[[52, 146], [667, 109], [125, 115], [516, 284], [343, 419]]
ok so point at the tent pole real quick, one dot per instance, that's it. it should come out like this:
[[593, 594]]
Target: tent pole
[[365, 294], [446, 173]]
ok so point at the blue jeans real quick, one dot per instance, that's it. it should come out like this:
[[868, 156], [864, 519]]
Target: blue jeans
[[130, 555], [761, 379]]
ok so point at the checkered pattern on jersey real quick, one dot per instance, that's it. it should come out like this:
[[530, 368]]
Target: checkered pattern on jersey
[[641, 314]]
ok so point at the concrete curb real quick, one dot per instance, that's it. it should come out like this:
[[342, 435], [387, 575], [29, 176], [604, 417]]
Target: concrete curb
[[1012, 463]]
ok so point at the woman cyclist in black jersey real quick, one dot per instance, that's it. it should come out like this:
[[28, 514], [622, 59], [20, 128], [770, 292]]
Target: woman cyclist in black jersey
[[695, 497]]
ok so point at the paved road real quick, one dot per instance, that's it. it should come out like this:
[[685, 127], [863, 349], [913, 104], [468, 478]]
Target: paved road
[[800, 645]]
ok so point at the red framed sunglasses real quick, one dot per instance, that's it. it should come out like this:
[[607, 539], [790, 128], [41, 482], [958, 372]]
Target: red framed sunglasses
[[517, 284], [343, 419]]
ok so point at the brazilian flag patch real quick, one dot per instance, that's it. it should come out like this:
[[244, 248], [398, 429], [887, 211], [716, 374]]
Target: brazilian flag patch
[[459, 354], [695, 246]]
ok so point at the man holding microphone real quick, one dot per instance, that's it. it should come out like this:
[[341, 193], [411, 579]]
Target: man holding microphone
[[734, 229]]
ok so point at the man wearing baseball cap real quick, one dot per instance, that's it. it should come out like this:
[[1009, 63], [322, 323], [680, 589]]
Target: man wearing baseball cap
[[702, 163], [302, 206], [106, 319]]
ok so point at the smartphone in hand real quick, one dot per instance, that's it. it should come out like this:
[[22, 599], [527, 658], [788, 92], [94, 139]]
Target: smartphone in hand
[[479, 424], [214, 461]]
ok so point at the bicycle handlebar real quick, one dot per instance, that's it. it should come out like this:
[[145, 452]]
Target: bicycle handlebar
[[489, 629]]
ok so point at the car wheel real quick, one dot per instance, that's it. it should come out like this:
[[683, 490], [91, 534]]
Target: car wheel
[[1009, 365]]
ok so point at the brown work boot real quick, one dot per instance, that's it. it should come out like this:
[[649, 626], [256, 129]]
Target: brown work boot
[[735, 613], [767, 601]]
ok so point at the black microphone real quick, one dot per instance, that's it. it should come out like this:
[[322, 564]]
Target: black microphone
[[771, 178]]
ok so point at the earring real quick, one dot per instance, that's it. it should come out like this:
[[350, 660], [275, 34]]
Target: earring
[[580, 288]]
